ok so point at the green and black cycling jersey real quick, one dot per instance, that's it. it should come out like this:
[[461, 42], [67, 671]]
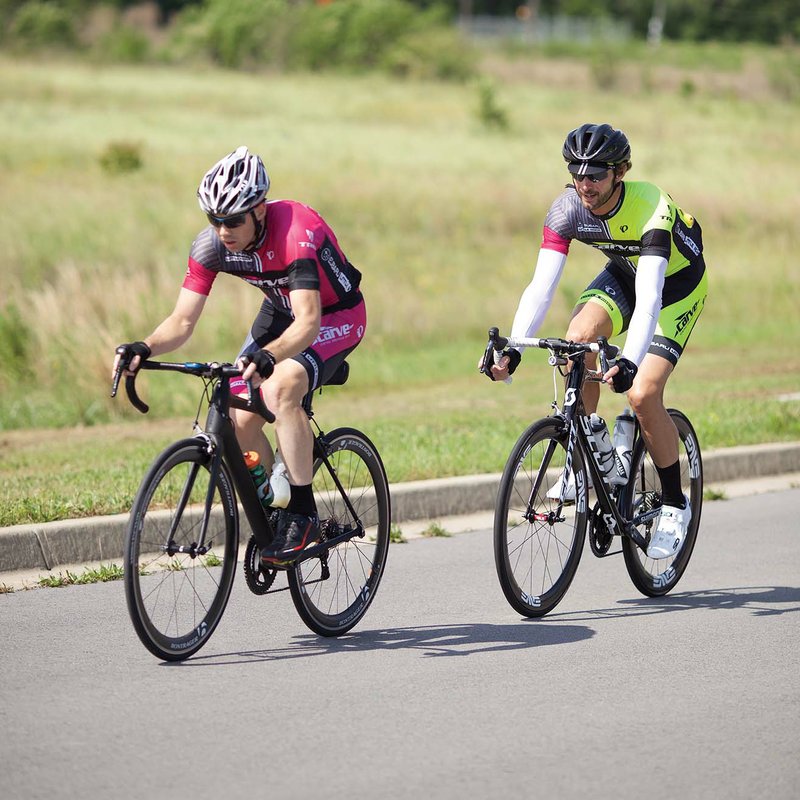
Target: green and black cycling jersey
[[645, 221]]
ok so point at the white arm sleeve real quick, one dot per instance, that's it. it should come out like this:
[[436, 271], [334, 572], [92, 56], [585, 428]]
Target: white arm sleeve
[[649, 285], [538, 295]]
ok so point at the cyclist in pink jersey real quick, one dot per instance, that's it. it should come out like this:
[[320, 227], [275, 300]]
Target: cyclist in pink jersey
[[653, 286], [312, 316]]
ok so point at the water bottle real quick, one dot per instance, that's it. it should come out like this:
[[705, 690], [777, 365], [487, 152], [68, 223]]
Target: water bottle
[[259, 475], [604, 452], [623, 446], [279, 481]]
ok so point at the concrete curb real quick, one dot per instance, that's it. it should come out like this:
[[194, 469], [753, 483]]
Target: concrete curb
[[49, 545]]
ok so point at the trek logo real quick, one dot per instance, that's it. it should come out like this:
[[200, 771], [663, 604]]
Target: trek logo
[[330, 332], [684, 319]]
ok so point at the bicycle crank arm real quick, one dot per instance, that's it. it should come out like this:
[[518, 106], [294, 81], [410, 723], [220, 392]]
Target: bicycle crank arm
[[318, 549]]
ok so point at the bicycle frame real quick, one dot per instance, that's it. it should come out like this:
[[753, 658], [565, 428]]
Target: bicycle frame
[[222, 444], [577, 423]]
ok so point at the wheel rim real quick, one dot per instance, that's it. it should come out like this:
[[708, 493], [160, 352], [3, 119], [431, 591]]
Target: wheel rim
[[659, 575], [539, 551], [355, 566], [178, 596]]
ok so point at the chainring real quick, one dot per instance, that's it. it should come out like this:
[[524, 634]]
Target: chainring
[[258, 579], [600, 537]]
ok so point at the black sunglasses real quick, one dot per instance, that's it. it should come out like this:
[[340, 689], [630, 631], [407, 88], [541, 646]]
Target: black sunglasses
[[593, 178], [234, 221]]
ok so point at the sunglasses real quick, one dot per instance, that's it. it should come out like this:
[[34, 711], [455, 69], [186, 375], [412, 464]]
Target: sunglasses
[[592, 178], [234, 221]]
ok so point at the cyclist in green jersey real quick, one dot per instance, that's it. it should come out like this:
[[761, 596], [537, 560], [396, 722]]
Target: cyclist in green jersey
[[653, 286]]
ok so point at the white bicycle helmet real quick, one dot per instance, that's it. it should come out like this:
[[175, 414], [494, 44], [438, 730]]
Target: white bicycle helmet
[[234, 185]]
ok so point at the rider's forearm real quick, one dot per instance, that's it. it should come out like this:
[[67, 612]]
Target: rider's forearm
[[650, 273], [538, 295], [296, 338], [169, 335]]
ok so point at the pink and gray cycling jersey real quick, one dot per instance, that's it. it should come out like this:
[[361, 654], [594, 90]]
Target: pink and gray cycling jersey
[[297, 251]]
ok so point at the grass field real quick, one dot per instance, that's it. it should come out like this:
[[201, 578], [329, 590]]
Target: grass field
[[442, 215]]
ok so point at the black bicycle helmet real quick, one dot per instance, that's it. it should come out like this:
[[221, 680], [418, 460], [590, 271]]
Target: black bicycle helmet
[[591, 149]]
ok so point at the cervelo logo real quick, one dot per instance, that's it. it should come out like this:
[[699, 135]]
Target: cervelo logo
[[326, 254]]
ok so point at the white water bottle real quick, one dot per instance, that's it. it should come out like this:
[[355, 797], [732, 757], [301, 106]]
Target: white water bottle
[[623, 447], [279, 483], [604, 454]]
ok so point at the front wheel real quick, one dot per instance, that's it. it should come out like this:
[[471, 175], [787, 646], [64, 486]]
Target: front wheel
[[332, 593], [656, 577], [537, 541], [176, 586]]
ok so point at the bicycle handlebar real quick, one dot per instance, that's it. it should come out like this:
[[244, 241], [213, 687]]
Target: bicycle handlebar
[[559, 347], [212, 370]]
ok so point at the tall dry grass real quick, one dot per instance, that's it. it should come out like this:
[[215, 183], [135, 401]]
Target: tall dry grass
[[442, 215]]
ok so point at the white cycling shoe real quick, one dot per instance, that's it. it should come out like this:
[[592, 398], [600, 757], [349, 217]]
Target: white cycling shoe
[[670, 532], [554, 492]]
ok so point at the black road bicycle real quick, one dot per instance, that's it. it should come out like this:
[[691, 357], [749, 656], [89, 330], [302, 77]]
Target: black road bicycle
[[182, 542], [538, 539]]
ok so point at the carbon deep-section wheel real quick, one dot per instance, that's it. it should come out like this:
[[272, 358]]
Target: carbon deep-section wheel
[[177, 587], [332, 592], [656, 577], [537, 540]]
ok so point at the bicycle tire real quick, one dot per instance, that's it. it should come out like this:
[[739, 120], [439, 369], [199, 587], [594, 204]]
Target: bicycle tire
[[332, 606], [652, 577], [176, 599], [536, 558]]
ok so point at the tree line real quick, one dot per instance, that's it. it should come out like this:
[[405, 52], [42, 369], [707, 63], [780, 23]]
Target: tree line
[[767, 21]]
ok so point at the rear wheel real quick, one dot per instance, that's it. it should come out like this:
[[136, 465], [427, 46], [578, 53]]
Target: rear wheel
[[176, 589], [332, 592], [656, 577], [537, 541]]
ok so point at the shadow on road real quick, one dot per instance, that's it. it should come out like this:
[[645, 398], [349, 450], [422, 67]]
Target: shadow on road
[[761, 601], [430, 640]]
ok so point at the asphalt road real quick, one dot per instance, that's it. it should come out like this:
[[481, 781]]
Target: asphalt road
[[442, 691]]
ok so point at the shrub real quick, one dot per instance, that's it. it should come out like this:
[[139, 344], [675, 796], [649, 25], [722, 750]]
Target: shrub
[[39, 25], [121, 157], [489, 112], [123, 44], [434, 53]]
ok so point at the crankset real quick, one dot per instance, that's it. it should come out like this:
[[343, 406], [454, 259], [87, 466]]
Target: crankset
[[258, 578], [600, 537]]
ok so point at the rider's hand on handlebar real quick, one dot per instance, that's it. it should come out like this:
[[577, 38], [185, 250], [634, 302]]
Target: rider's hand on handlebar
[[505, 365], [621, 375], [261, 363], [128, 358]]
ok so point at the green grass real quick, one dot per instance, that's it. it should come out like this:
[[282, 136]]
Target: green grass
[[441, 214], [101, 574]]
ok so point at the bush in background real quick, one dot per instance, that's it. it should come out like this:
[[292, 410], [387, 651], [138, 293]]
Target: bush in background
[[43, 25]]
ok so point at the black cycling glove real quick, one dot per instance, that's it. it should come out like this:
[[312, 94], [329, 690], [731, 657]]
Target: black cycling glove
[[623, 380], [264, 361], [127, 353], [514, 357]]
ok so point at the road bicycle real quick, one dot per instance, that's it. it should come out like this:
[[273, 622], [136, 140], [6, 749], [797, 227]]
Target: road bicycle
[[539, 539], [182, 541]]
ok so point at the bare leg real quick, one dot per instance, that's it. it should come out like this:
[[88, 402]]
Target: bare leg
[[646, 398], [588, 322], [283, 394]]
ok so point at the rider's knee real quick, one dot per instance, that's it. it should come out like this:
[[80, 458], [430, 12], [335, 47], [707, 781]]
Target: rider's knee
[[644, 395]]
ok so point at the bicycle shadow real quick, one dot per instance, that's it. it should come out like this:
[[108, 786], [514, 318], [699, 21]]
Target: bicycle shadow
[[433, 641], [761, 601]]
